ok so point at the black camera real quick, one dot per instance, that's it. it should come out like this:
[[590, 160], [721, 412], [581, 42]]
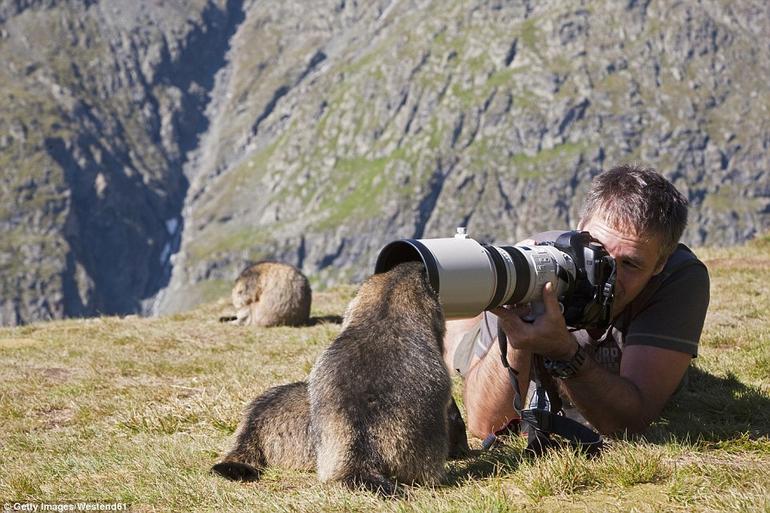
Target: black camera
[[470, 277]]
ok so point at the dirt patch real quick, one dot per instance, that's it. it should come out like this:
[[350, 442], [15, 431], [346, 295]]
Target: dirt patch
[[736, 461], [738, 263], [54, 373], [53, 417], [16, 342]]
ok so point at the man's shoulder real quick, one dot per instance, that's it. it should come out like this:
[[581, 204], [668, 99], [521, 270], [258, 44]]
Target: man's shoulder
[[680, 259], [683, 273], [670, 311]]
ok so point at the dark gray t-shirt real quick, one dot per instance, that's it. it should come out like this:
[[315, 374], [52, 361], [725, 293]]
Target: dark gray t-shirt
[[668, 313]]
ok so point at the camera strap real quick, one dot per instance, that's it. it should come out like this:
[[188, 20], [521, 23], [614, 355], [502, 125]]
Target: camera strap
[[546, 416]]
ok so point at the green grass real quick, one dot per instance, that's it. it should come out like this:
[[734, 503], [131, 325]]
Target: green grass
[[136, 410], [360, 184]]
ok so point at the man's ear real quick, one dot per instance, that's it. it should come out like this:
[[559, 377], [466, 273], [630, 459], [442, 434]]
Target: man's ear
[[661, 264]]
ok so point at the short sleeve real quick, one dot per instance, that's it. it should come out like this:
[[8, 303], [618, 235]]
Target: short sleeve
[[673, 319]]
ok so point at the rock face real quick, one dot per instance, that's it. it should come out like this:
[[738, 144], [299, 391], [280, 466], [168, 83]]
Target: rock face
[[315, 132], [99, 104]]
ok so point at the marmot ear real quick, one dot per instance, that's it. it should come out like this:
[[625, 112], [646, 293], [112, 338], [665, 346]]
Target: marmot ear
[[236, 471]]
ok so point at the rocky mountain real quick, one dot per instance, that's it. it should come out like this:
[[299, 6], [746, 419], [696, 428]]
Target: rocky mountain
[[149, 150], [100, 102]]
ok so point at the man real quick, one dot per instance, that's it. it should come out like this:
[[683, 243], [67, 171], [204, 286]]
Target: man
[[623, 377]]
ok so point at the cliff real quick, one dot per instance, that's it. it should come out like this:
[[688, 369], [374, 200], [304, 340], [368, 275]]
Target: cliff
[[150, 150], [99, 105]]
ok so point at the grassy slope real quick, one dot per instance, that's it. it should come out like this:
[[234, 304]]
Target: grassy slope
[[136, 410]]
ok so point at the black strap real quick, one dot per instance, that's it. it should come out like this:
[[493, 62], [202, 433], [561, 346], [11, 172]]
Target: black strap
[[541, 424], [541, 421], [518, 401], [544, 379], [502, 340]]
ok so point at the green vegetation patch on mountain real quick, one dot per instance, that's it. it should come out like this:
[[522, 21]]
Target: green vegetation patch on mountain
[[388, 120]]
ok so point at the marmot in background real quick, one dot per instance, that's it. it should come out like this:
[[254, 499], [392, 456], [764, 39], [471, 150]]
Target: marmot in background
[[275, 431], [271, 294], [379, 393]]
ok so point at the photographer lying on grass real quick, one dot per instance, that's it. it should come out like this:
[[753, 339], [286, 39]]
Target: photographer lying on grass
[[623, 376]]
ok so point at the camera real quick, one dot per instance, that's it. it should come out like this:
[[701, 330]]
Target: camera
[[470, 277]]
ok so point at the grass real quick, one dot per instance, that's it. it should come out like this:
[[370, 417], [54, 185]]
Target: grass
[[136, 410]]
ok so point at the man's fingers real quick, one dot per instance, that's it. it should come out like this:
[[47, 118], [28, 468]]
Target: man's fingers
[[521, 310], [550, 300], [508, 317], [503, 313]]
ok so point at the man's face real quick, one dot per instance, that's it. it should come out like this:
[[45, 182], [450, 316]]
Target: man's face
[[637, 258]]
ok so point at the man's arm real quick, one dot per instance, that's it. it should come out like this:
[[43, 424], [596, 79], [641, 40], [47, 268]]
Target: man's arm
[[488, 393], [632, 400], [658, 348], [611, 403]]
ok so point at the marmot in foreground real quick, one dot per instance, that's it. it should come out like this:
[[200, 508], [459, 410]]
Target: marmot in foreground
[[379, 393], [275, 431], [272, 294]]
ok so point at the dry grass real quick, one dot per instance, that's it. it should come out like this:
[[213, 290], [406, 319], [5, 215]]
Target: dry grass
[[136, 410]]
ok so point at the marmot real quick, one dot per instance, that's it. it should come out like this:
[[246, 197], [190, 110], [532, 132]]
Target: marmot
[[275, 431], [379, 394], [271, 294]]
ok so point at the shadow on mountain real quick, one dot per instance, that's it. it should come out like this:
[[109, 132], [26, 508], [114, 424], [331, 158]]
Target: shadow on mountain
[[125, 219]]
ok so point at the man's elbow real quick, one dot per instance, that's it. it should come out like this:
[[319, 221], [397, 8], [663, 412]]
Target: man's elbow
[[479, 429], [630, 426], [478, 425], [481, 422]]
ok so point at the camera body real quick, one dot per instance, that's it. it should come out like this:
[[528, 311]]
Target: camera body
[[470, 277]]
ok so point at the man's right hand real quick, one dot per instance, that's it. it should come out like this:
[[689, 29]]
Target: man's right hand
[[546, 335]]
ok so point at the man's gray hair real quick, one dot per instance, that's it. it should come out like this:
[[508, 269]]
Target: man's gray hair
[[640, 199]]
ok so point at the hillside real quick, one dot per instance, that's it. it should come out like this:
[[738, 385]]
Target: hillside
[[99, 105], [149, 150], [136, 410]]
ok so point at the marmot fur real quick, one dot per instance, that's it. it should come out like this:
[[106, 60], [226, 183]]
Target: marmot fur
[[272, 294], [379, 394]]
